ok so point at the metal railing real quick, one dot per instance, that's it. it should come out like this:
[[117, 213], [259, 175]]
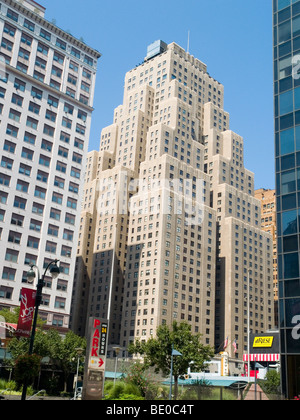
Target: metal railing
[[35, 395], [6, 390]]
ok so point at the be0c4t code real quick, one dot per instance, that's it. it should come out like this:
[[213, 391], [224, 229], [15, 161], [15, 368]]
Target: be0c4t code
[[176, 409]]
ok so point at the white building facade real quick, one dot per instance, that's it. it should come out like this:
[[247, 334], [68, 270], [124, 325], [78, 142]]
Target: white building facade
[[46, 97]]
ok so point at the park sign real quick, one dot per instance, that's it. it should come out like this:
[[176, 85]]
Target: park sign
[[95, 359], [97, 353]]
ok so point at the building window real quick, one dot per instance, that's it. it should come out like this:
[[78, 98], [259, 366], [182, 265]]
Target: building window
[[12, 255], [61, 44], [53, 230], [27, 154], [8, 274], [29, 25], [33, 242], [75, 52], [32, 123], [22, 186], [20, 203], [12, 15], [57, 198], [46, 35], [12, 131]]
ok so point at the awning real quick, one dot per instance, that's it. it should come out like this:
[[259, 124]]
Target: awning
[[10, 327], [214, 381], [113, 375], [262, 357]]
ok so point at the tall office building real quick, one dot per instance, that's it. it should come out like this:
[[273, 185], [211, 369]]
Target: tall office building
[[170, 227], [268, 224], [286, 17], [46, 97]]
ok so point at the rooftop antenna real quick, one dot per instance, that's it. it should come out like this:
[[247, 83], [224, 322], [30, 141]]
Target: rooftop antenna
[[188, 45]]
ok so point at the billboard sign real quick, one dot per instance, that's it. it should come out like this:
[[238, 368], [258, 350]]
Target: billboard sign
[[263, 342]]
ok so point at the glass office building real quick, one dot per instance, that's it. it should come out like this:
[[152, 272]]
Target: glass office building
[[286, 21]]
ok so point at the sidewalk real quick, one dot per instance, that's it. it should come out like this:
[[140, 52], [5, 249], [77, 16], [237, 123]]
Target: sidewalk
[[260, 395]]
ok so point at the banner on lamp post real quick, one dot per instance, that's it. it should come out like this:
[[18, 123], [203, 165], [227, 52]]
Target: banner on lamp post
[[28, 297]]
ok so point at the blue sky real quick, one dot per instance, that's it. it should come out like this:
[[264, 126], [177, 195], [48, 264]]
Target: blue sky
[[232, 37]]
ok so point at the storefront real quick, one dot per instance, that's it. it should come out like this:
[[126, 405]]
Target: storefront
[[264, 350]]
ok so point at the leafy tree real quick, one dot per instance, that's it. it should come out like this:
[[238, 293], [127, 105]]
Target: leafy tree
[[272, 383], [61, 350], [12, 317], [27, 368], [136, 374], [20, 346], [157, 351]]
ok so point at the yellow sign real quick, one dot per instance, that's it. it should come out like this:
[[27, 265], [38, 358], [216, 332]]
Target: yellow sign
[[263, 342]]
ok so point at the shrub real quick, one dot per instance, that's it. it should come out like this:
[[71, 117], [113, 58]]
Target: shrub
[[138, 376], [122, 391], [272, 383], [130, 397], [11, 385], [27, 367]]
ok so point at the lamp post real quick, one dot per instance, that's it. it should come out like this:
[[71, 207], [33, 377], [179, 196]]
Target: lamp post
[[54, 271], [248, 323], [79, 352], [117, 351], [257, 366], [174, 353]]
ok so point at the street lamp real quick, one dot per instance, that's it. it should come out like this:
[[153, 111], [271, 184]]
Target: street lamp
[[248, 323], [174, 353], [117, 350], [79, 352], [54, 271]]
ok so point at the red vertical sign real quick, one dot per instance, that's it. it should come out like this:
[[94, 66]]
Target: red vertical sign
[[97, 349], [26, 312]]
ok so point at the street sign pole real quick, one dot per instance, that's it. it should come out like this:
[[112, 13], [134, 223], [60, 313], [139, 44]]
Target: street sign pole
[[93, 385]]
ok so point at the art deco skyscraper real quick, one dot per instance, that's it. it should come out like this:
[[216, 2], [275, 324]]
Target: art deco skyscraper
[[170, 225], [46, 97]]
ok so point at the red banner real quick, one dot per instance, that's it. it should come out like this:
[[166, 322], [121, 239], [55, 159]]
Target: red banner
[[26, 312]]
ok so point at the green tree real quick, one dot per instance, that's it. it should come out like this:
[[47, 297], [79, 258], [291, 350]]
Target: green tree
[[27, 368], [20, 346], [12, 317], [157, 351], [61, 350], [136, 374], [272, 383]]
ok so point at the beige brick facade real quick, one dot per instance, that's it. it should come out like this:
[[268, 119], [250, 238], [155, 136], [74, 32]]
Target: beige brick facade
[[192, 229], [267, 198]]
